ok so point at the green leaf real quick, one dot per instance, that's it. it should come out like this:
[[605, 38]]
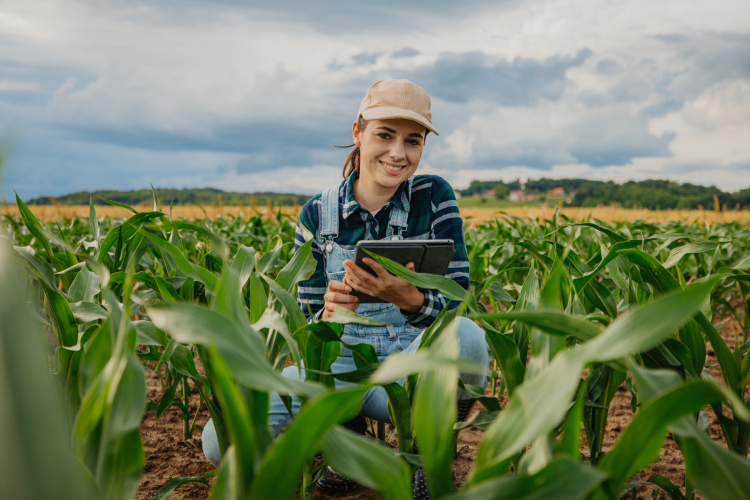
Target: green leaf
[[166, 491], [236, 418], [300, 268], [166, 399], [570, 444], [87, 311], [125, 231], [118, 204], [553, 387], [508, 358], [94, 223], [497, 291], [282, 464], [435, 413], [446, 286], [553, 323], [561, 479], [244, 352], [166, 290], [244, 263], [39, 268], [37, 460], [730, 369], [697, 247], [287, 305], [35, 228], [258, 298], [642, 440], [343, 315], [84, 287], [196, 272], [614, 251], [368, 462]]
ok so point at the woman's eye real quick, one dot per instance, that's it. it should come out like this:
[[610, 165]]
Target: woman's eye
[[413, 142], [384, 136]]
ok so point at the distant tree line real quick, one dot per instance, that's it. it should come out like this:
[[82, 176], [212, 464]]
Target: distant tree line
[[203, 196], [651, 194]]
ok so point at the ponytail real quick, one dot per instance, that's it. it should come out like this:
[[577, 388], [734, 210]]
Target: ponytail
[[352, 161]]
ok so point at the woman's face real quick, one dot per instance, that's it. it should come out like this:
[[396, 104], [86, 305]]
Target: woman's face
[[390, 150]]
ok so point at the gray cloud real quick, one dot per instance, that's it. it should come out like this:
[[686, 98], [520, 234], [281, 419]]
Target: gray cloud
[[710, 58], [461, 78], [406, 52]]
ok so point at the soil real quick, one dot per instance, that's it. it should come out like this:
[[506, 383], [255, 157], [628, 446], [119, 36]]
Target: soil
[[168, 456]]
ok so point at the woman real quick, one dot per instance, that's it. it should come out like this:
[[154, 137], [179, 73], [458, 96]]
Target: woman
[[379, 199]]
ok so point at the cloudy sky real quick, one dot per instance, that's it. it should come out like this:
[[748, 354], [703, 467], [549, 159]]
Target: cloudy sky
[[249, 96]]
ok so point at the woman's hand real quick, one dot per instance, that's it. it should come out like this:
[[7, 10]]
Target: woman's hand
[[338, 296], [385, 285]]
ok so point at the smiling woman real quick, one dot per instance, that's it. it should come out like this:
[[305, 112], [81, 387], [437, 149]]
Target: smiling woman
[[380, 198]]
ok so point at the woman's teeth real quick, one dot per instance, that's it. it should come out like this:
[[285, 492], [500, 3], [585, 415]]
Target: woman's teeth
[[392, 168]]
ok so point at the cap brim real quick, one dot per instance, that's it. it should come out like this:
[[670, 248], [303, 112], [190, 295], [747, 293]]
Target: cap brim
[[392, 113]]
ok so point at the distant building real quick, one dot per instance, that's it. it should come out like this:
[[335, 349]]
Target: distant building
[[558, 191], [522, 196], [489, 192]]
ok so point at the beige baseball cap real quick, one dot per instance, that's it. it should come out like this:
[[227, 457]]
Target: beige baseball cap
[[389, 99]]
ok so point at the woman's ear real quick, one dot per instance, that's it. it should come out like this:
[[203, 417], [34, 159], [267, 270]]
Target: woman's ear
[[356, 135]]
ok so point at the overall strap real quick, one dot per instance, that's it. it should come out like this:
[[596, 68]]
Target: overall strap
[[329, 223], [397, 224], [399, 218]]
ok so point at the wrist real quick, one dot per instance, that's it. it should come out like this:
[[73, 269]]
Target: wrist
[[413, 302]]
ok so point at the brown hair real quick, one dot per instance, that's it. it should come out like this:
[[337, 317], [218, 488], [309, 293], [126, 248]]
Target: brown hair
[[352, 161]]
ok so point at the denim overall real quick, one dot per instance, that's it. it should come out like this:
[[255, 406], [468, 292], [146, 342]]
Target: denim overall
[[385, 339]]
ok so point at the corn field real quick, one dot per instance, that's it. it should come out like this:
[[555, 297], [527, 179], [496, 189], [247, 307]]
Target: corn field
[[571, 310]]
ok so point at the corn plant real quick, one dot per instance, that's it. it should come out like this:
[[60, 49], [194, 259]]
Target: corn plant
[[571, 311]]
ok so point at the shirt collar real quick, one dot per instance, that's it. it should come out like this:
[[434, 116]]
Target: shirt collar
[[400, 199]]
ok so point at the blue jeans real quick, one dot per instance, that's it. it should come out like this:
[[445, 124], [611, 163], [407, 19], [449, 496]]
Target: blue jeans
[[472, 346]]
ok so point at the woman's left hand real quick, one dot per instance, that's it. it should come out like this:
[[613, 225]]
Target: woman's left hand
[[385, 285]]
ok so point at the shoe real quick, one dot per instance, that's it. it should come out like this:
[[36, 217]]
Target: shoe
[[419, 481], [464, 408], [332, 481], [419, 485]]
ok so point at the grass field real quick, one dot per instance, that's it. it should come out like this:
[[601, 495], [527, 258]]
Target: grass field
[[474, 214]]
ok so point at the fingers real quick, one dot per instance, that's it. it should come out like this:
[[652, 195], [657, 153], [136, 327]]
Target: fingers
[[330, 307], [375, 266], [340, 298], [335, 286], [356, 274], [410, 266]]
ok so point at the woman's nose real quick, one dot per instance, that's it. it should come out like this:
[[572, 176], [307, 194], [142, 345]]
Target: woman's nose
[[397, 152]]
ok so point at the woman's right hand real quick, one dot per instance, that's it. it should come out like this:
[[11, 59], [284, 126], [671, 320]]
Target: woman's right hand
[[338, 296]]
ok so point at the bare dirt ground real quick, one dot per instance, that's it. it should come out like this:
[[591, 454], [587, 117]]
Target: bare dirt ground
[[168, 457]]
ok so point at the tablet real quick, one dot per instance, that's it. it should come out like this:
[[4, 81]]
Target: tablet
[[429, 256]]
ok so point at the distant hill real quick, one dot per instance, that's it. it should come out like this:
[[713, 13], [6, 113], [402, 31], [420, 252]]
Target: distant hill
[[203, 196], [651, 194]]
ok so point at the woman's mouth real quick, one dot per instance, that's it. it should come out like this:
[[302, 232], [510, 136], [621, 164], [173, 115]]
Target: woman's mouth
[[391, 169]]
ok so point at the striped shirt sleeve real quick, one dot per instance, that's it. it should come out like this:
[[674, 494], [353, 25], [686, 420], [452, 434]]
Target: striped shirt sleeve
[[310, 292]]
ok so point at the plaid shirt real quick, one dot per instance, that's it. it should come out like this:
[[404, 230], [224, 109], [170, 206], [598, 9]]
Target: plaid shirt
[[433, 214]]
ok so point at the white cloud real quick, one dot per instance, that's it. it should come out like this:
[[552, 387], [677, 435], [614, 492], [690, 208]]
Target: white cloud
[[664, 90]]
